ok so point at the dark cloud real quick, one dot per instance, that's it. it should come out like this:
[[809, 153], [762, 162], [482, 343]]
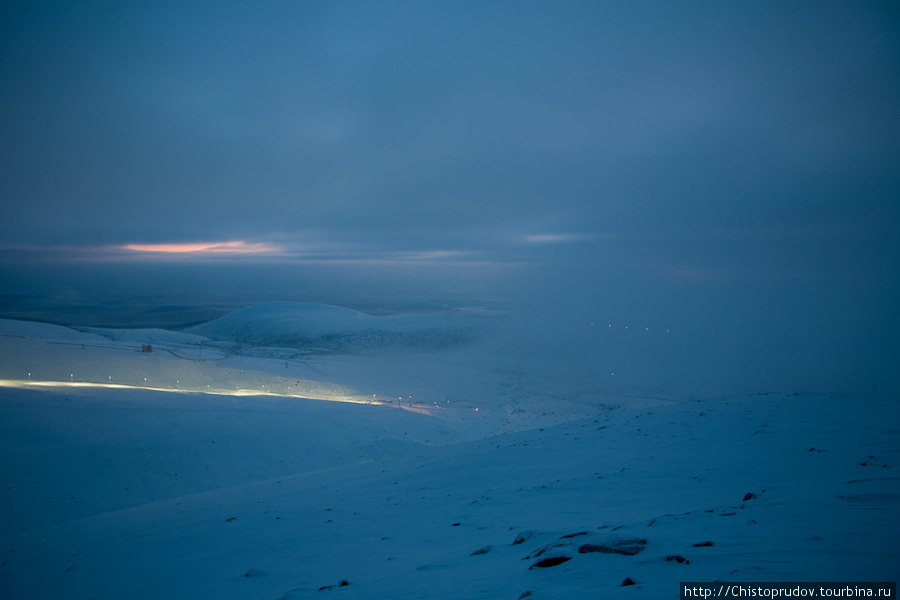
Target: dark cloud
[[186, 121]]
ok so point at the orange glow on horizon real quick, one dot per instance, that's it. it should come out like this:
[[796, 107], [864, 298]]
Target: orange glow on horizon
[[237, 247]]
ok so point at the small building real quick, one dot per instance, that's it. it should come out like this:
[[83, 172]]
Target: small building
[[146, 348]]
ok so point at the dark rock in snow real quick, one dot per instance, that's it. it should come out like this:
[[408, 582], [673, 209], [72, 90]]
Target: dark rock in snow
[[253, 573], [343, 583], [484, 550], [571, 535], [523, 537], [749, 496], [678, 558], [548, 547], [626, 547], [627, 581], [525, 594], [550, 562], [701, 544]]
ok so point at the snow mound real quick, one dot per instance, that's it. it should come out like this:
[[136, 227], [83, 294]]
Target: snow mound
[[44, 331], [326, 328], [153, 336]]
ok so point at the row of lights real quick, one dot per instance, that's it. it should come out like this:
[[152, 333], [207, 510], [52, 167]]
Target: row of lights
[[626, 327], [108, 379], [178, 382]]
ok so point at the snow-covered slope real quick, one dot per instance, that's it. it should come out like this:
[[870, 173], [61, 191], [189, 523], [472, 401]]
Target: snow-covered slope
[[93, 450], [207, 469], [319, 327], [45, 331], [147, 336], [752, 488]]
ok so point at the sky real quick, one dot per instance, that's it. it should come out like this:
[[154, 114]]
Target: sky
[[677, 162]]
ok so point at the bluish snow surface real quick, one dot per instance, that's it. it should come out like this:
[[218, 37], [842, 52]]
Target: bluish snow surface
[[426, 471]]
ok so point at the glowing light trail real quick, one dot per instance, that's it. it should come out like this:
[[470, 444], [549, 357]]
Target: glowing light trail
[[19, 383]]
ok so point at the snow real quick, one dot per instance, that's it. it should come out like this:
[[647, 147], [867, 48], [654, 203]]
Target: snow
[[408, 461], [320, 327]]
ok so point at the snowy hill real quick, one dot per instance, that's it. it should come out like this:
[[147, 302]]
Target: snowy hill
[[319, 327], [205, 470], [45, 331], [740, 489], [151, 336]]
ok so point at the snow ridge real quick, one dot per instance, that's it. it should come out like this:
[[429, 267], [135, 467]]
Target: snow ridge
[[320, 328]]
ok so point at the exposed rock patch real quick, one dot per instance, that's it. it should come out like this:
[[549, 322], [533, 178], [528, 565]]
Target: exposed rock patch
[[523, 537], [550, 562], [625, 547]]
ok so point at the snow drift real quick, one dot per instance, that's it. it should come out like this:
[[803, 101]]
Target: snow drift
[[319, 328]]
